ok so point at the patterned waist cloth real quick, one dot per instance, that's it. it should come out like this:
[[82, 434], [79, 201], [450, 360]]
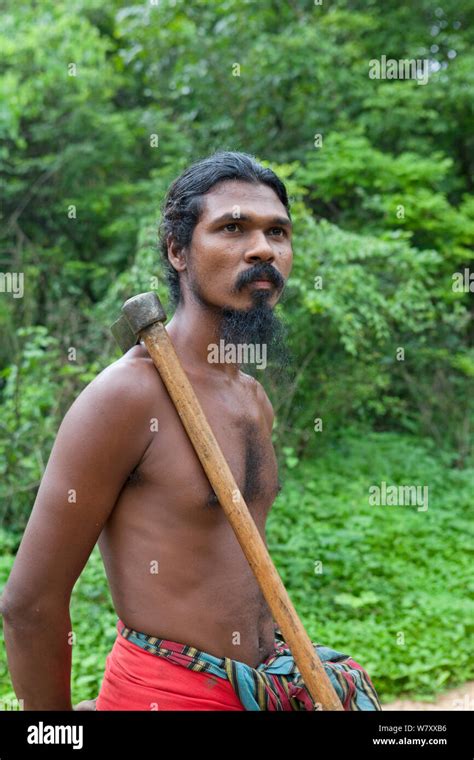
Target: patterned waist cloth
[[275, 684]]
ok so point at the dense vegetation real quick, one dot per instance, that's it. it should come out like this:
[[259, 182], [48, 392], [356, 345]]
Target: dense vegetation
[[101, 107]]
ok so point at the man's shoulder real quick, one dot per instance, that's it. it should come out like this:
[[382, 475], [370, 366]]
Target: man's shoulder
[[131, 379]]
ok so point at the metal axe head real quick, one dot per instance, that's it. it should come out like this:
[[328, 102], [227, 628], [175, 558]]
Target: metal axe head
[[138, 312]]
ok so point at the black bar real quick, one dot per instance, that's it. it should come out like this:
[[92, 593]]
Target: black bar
[[300, 734]]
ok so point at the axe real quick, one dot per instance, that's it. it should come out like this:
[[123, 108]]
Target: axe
[[142, 320]]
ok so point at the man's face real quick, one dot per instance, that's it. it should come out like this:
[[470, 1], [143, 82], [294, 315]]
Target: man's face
[[244, 233]]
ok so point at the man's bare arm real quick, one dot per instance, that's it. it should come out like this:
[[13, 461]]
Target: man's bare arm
[[101, 439]]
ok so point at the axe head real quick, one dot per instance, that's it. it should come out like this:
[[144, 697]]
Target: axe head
[[123, 334], [138, 312]]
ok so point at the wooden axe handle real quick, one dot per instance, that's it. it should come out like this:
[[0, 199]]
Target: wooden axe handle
[[163, 354]]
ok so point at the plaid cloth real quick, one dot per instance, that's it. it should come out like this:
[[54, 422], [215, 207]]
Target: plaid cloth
[[276, 684]]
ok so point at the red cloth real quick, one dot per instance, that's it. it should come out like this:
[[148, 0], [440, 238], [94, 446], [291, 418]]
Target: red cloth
[[138, 680]]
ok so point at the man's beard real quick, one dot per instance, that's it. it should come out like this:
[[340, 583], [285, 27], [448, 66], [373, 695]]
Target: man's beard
[[257, 325]]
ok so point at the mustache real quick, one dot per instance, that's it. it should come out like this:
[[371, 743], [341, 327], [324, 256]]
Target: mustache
[[259, 272]]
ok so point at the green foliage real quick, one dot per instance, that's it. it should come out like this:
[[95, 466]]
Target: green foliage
[[101, 107], [32, 406], [385, 570]]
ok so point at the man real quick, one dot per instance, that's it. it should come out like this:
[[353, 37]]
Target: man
[[194, 630]]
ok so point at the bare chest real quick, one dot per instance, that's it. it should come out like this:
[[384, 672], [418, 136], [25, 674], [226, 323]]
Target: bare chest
[[242, 433]]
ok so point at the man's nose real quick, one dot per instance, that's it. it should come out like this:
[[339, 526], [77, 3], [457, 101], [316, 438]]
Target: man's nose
[[259, 249]]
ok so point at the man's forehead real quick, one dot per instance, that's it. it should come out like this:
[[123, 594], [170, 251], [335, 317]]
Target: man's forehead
[[248, 197]]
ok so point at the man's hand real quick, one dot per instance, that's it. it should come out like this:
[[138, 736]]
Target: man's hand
[[86, 704]]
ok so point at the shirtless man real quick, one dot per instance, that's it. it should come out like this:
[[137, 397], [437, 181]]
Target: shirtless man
[[141, 492]]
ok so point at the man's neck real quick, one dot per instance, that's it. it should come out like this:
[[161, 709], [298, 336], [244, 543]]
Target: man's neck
[[193, 329]]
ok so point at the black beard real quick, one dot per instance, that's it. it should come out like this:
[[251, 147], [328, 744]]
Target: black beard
[[259, 324]]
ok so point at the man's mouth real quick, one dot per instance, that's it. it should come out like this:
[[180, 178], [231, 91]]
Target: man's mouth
[[263, 279], [262, 284]]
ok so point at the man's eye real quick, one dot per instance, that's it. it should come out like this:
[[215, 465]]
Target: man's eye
[[279, 228], [231, 224]]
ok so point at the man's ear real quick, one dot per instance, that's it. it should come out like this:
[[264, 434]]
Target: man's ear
[[176, 256]]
